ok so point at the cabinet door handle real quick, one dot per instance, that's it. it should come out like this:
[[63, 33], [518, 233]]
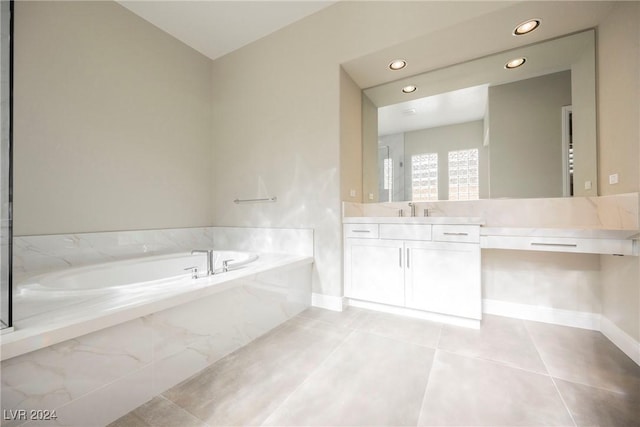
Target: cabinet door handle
[[564, 245], [447, 233], [400, 257], [408, 258], [361, 231]]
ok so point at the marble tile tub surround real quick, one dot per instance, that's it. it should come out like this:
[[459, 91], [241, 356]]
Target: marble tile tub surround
[[42, 322], [95, 378], [34, 254], [606, 212]]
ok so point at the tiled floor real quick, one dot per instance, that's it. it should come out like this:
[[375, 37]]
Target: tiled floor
[[362, 368]]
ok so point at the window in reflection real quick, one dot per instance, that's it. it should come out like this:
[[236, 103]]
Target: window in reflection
[[464, 181], [424, 177]]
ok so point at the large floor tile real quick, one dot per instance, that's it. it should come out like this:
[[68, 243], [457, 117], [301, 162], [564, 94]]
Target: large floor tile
[[158, 412], [348, 318], [500, 339], [591, 406], [415, 331], [246, 386], [368, 380], [584, 356], [464, 391]]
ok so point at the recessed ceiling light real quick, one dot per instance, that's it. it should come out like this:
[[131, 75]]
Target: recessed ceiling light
[[409, 89], [398, 64], [526, 27], [515, 63]]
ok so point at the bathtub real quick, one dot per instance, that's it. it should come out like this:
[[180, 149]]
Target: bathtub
[[133, 275], [113, 335], [63, 304]]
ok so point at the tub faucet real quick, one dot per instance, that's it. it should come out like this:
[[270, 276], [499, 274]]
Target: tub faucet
[[225, 264], [413, 208], [210, 265]]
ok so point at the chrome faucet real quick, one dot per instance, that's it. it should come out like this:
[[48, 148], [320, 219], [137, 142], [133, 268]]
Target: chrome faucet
[[225, 264], [413, 208], [210, 264]]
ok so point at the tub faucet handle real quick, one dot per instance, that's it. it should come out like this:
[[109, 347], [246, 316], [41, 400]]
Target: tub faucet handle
[[225, 264], [194, 272]]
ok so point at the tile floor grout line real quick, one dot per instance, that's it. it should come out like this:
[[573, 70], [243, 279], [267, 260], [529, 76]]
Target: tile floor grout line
[[439, 336], [553, 381], [183, 410], [496, 362], [573, 381], [426, 386], [313, 371]]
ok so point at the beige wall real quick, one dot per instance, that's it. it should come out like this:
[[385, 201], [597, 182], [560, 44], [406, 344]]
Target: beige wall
[[370, 190], [557, 280], [583, 101], [619, 142], [277, 118], [350, 139], [619, 105], [525, 124], [111, 122]]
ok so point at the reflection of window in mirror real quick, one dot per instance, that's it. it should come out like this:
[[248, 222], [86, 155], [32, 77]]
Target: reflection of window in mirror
[[388, 177], [464, 180], [512, 120], [567, 152], [424, 177]]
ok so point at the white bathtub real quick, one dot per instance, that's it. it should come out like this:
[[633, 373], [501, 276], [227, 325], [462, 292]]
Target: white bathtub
[[131, 275], [123, 332]]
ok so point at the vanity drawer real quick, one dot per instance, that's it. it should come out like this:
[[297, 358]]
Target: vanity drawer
[[405, 231], [456, 233], [562, 244], [361, 231]]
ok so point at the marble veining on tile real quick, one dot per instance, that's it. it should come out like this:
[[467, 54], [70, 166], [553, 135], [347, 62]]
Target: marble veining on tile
[[607, 212], [351, 368]]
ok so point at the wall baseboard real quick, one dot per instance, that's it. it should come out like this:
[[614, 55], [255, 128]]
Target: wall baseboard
[[621, 339], [328, 302], [418, 314], [576, 319], [556, 316]]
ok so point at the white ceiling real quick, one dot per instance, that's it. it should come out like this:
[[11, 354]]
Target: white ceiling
[[439, 102], [217, 27], [458, 106]]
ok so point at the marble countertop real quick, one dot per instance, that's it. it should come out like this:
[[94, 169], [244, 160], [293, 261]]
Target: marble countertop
[[412, 220], [581, 233]]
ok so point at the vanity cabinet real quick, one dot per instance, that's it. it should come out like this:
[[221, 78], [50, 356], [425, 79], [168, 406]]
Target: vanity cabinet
[[432, 268], [443, 278], [374, 271]]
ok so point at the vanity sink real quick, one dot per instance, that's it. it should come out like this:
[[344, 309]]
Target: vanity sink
[[412, 220]]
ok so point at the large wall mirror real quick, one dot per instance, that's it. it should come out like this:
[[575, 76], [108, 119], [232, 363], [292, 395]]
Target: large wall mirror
[[479, 129]]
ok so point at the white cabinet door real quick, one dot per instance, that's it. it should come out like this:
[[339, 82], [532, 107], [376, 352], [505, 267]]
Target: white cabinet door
[[444, 278], [374, 270]]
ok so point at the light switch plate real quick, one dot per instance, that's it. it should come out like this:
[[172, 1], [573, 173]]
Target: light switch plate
[[613, 178]]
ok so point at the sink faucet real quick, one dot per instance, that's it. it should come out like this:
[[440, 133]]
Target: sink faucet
[[413, 208], [209, 253]]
